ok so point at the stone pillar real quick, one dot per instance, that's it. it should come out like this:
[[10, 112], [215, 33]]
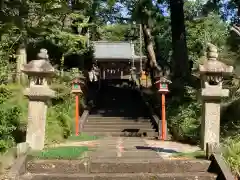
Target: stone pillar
[[38, 94], [212, 74], [21, 59]]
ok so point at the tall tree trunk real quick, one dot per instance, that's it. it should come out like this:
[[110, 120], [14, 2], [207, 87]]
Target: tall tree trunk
[[238, 11], [151, 56], [92, 15], [180, 55]]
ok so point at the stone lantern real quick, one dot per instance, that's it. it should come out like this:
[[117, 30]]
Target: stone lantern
[[38, 94], [76, 89], [162, 86], [76, 86], [212, 73]]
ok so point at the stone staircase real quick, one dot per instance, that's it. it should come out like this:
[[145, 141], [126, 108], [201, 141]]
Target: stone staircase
[[118, 158], [119, 112], [118, 126]]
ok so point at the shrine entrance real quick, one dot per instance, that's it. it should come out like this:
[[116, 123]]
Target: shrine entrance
[[115, 59], [114, 70]]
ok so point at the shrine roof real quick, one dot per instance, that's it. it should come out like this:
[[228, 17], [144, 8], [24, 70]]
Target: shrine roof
[[113, 50]]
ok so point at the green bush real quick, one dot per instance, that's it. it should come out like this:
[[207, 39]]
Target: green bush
[[184, 117], [60, 117], [232, 153], [60, 114], [10, 117], [14, 108], [184, 123], [9, 122], [64, 152]]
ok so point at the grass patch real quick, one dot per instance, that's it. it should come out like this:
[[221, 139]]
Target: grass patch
[[67, 152], [192, 155], [82, 137]]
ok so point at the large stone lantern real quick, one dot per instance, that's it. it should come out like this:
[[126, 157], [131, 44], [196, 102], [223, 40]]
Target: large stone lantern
[[212, 73], [39, 71]]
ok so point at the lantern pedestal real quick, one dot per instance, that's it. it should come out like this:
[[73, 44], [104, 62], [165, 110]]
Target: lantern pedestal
[[162, 85], [76, 89]]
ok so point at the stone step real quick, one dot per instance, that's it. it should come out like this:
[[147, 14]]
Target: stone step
[[122, 134], [120, 120], [147, 166], [119, 129], [116, 117], [99, 116], [122, 142], [105, 147], [122, 176], [118, 165], [56, 166], [125, 154], [117, 125]]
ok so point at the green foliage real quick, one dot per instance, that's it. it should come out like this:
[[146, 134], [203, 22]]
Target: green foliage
[[184, 117], [195, 154], [116, 32], [60, 118], [65, 152], [10, 118], [82, 137], [8, 124], [232, 153], [13, 112], [59, 121], [50, 24], [201, 31]]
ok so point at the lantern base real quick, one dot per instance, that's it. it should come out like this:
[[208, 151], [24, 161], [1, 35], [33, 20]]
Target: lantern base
[[76, 91], [163, 91]]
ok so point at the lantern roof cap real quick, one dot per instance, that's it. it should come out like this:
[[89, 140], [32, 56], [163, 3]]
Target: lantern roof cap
[[212, 65], [43, 54], [79, 79], [38, 67], [163, 80]]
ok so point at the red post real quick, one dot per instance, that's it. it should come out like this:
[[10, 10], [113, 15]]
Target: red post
[[163, 118], [77, 116], [162, 85], [76, 89]]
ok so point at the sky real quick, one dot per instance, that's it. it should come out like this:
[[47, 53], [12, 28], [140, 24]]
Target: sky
[[164, 9]]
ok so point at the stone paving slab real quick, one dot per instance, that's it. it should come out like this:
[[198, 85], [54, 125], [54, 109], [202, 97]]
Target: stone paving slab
[[122, 176], [124, 154], [168, 148], [150, 165], [126, 146], [122, 147], [123, 134], [119, 129], [55, 166]]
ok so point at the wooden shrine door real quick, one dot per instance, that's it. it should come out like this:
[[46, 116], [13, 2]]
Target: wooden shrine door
[[114, 70]]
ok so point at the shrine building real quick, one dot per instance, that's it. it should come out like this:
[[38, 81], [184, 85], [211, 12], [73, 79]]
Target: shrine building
[[115, 59]]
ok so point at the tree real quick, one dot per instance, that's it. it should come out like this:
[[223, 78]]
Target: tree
[[179, 45], [50, 23]]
